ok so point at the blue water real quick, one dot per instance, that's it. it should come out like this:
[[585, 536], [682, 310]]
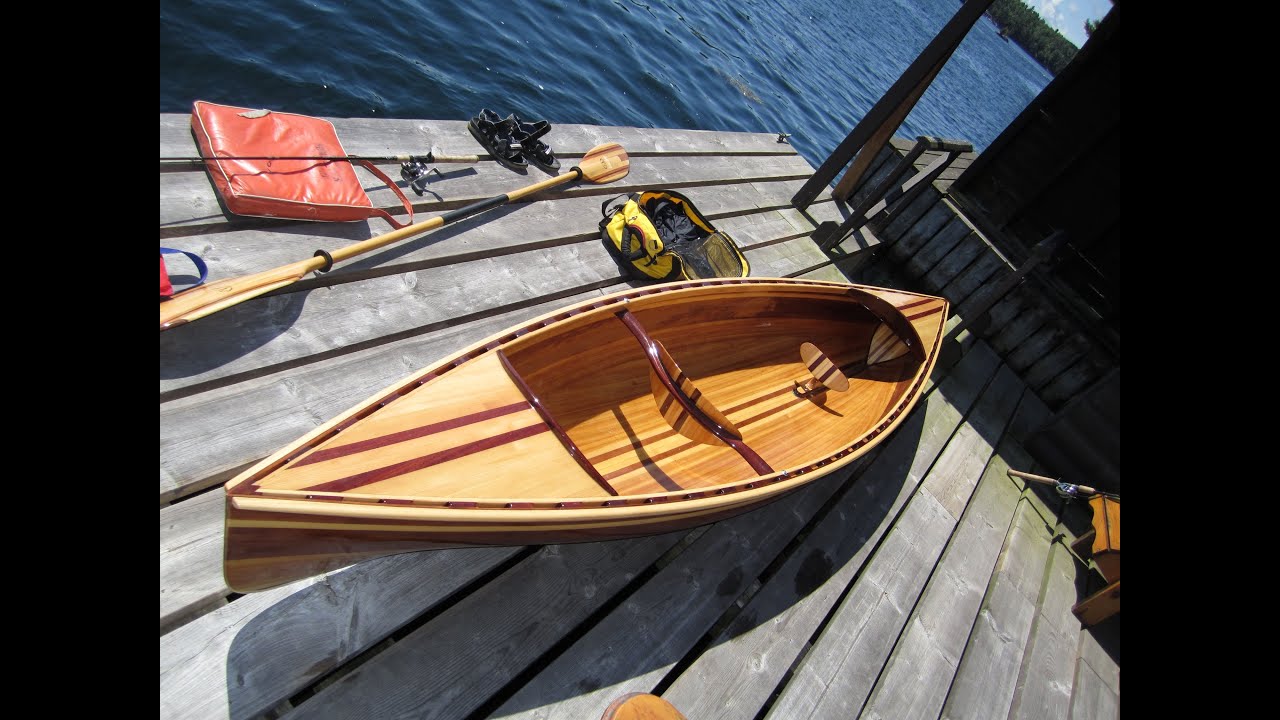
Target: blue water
[[811, 68]]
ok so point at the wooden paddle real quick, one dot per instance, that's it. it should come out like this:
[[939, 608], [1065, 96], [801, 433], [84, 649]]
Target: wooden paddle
[[602, 164]]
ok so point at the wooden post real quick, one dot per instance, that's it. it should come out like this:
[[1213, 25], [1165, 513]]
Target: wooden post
[[887, 114]]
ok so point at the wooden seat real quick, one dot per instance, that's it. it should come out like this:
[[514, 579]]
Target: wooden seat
[[1102, 544], [823, 371]]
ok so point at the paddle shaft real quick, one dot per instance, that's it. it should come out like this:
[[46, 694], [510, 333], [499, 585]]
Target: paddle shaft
[[374, 243], [202, 300], [602, 164]]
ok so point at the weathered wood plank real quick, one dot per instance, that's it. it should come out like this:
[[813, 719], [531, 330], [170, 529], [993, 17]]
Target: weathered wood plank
[[1045, 680], [836, 676], [282, 329], [953, 263], [903, 217], [191, 559], [529, 226], [189, 203], [918, 676], [883, 164], [390, 136], [1070, 382], [981, 270], [986, 679], [921, 232], [1032, 416], [1072, 348], [250, 655], [1009, 335], [1039, 344], [937, 247], [1096, 692], [451, 665], [738, 671], [662, 620]]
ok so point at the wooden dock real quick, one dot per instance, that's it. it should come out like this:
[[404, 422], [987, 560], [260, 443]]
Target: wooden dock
[[923, 582]]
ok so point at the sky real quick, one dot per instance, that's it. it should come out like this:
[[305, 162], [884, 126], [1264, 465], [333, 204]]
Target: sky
[[1068, 16]]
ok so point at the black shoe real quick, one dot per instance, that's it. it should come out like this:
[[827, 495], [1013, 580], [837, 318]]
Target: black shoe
[[534, 150], [496, 135]]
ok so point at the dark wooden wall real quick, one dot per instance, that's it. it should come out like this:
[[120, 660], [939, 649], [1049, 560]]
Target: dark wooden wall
[[1060, 166]]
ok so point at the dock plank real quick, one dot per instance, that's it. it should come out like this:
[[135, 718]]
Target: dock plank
[[191, 559], [1046, 677], [738, 671], [987, 676], [967, 281], [919, 674], [461, 657], [190, 204], [921, 232], [664, 619], [392, 136], [1095, 694], [836, 676], [249, 656], [941, 243]]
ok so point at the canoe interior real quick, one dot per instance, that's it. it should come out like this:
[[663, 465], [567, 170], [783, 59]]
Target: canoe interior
[[570, 407], [743, 354]]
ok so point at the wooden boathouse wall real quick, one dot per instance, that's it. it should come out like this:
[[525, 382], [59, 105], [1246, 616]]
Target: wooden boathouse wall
[[1052, 177]]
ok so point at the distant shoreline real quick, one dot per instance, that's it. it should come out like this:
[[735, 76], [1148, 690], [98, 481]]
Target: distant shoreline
[[1017, 22]]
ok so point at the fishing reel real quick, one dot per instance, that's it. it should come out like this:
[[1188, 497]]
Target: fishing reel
[[416, 169]]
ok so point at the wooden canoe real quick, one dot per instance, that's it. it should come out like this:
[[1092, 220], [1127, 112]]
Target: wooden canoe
[[645, 411]]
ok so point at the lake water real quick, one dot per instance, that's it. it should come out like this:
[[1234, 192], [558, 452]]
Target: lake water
[[811, 68]]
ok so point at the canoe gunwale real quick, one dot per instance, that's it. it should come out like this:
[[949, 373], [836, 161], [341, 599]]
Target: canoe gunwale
[[245, 493]]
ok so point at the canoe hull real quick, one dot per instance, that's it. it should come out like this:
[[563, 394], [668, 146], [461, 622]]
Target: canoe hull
[[578, 426]]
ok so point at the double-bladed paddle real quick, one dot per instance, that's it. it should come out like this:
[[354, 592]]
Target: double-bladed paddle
[[602, 164]]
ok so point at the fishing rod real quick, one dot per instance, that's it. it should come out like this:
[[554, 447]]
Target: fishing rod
[[1065, 489], [413, 168]]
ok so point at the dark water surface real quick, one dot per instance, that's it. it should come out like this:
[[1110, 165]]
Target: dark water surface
[[811, 68]]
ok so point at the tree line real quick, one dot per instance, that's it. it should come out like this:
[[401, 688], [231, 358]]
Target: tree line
[[1025, 26]]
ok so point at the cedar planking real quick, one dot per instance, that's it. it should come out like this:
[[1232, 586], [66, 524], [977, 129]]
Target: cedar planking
[[552, 432]]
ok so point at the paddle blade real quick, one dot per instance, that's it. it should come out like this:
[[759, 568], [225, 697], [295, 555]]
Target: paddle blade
[[605, 163], [207, 299]]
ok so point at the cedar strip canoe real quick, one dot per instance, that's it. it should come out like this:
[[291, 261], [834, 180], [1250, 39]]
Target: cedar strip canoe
[[642, 412]]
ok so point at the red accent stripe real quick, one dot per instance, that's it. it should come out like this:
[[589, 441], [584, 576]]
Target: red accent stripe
[[921, 301], [925, 313], [372, 476], [831, 370], [396, 437]]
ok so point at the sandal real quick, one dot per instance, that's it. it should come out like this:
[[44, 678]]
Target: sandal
[[535, 151], [498, 137]]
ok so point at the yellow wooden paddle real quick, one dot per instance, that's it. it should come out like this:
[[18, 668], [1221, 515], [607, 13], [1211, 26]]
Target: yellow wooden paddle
[[602, 164]]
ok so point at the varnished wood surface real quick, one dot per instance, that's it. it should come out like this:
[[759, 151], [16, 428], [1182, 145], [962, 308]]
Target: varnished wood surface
[[459, 454], [684, 616]]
